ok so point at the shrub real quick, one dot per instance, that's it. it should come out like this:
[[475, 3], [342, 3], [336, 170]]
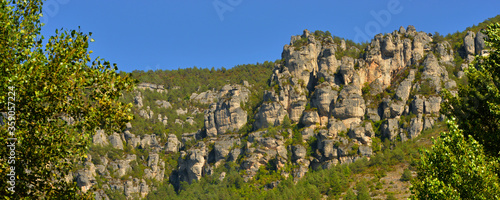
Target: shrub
[[426, 88], [406, 176], [300, 43]]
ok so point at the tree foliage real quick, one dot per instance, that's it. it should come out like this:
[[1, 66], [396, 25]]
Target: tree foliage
[[456, 167], [463, 163], [477, 105], [60, 98]]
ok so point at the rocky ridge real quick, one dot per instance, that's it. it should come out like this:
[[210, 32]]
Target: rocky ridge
[[329, 103]]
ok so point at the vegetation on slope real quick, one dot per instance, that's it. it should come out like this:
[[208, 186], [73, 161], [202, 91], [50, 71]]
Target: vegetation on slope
[[335, 183], [463, 163]]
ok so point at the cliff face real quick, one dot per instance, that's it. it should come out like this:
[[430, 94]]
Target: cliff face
[[327, 104]]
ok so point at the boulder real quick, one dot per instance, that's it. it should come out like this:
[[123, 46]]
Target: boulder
[[138, 100], [361, 132], [99, 138], [416, 126], [365, 150], [335, 126], [298, 152], [180, 111], [116, 141], [173, 145], [432, 105], [310, 118], [131, 139], [390, 129], [417, 105], [372, 114], [163, 104]]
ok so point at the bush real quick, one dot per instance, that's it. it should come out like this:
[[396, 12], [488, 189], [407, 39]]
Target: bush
[[363, 193], [300, 43], [406, 176]]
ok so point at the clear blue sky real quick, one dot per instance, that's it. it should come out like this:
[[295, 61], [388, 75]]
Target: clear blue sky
[[172, 34]]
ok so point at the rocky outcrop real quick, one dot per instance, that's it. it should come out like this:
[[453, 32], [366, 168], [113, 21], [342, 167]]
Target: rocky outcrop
[[146, 113], [479, 42], [469, 45], [211, 96], [205, 97], [136, 186], [116, 141], [173, 144], [434, 72], [302, 62], [416, 126], [270, 112], [404, 88], [310, 118], [152, 87], [131, 139], [163, 120], [299, 158], [191, 163], [181, 111], [163, 104], [138, 100], [362, 132], [223, 147], [417, 105], [432, 105], [227, 115], [333, 96], [149, 141], [445, 51], [292, 92], [85, 178], [390, 129], [99, 138], [350, 103], [324, 98], [156, 168]]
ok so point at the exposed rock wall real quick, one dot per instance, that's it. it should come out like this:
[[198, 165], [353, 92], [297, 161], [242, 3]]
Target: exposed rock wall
[[335, 96]]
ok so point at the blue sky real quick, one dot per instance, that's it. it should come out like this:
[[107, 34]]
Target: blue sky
[[172, 34]]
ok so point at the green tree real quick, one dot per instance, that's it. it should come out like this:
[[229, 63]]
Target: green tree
[[55, 99], [406, 176], [456, 167], [350, 195], [477, 105], [363, 192]]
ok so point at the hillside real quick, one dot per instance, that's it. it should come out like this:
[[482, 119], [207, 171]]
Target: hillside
[[330, 119]]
